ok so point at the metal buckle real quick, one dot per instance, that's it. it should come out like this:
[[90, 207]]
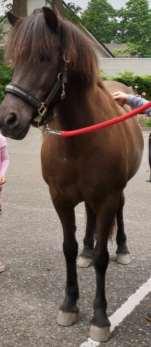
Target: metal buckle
[[50, 131], [42, 110]]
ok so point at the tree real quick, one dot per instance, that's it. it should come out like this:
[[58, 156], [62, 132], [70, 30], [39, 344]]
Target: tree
[[100, 20], [134, 26], [73, 8], [56, 4], [19, 7], [7, 4], [71, 12]]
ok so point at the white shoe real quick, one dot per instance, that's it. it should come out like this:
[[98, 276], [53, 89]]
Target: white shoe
[[2, 267], [90, 343]]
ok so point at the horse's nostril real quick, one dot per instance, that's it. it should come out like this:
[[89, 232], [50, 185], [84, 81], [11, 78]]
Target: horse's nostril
[[11, 120]]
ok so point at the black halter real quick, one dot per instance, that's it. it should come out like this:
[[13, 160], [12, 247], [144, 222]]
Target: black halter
[[42, 107]]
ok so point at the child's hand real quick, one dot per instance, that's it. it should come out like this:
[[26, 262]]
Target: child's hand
[[2, 180], [120, 97]]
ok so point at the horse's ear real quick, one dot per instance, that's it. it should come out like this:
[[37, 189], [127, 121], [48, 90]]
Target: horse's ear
[[50, 18], [12, 18]]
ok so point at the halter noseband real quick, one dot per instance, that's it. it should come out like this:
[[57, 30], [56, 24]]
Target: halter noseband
[[42, 107]]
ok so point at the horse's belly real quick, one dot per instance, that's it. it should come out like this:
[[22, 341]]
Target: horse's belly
[[135, 148], [94, 173]]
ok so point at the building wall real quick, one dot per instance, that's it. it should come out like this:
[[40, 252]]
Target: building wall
[[114, 66]]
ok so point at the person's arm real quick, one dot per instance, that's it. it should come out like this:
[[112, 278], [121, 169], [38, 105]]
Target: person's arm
[[132, 100], [136, 101], [4, 163]]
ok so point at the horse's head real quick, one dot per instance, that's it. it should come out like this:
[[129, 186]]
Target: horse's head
[[50, 58], [35, 50]]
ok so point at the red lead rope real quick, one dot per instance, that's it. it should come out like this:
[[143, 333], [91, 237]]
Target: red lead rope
[[106, 123]]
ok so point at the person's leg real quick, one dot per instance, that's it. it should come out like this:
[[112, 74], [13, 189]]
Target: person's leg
[[149, 156], [148, 317], [0, 199], [2, 266]]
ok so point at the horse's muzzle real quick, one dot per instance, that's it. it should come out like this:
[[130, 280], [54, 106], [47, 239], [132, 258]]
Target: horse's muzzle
[[15, 119], [11, 127]]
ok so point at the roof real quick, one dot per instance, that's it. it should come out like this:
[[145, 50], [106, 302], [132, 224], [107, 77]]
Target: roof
[[100, 46]]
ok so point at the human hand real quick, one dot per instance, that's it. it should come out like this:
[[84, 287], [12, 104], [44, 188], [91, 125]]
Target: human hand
[[120, 97], [2, 180]]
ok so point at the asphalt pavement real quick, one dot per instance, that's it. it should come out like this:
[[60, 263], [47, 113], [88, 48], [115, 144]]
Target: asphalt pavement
[[32, 287]]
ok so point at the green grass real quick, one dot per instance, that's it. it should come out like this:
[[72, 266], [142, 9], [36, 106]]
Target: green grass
[[146, 122]]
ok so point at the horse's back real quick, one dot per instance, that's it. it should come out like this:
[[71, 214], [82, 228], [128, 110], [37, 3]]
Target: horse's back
[[131, 130], [113, 86]]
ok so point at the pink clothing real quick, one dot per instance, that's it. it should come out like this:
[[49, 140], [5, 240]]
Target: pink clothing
[[4, 157]]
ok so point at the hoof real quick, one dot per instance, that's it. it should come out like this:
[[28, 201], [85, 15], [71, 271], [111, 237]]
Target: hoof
[[123, 259], [100, 334], [84, 262], [67, 319]]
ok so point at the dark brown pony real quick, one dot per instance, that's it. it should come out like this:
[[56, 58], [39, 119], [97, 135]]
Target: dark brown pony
[[56, 77]]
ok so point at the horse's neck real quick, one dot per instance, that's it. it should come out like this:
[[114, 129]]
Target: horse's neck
[[84, 107], [75, 111]]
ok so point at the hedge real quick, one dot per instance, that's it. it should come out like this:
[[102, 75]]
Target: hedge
[[141, 84], [5, 77]]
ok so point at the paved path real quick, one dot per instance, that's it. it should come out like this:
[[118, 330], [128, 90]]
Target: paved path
[[31, 245]]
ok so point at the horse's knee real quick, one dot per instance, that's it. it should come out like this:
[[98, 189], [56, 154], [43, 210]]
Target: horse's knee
[[70, 250]]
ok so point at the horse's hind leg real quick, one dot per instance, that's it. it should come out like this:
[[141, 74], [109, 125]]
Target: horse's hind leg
[[68, 313], [85, 258], [123, 255], [99, 330]]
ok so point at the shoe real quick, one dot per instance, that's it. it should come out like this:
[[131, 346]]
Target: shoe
[[2, 267], [148, 317]]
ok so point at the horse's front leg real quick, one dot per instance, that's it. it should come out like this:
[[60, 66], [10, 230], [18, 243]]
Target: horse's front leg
[[100, 326], [68, 313]]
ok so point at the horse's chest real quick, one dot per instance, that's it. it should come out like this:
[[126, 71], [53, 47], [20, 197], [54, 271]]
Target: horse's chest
[[72, 178], [81, 176], [59, 171]]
